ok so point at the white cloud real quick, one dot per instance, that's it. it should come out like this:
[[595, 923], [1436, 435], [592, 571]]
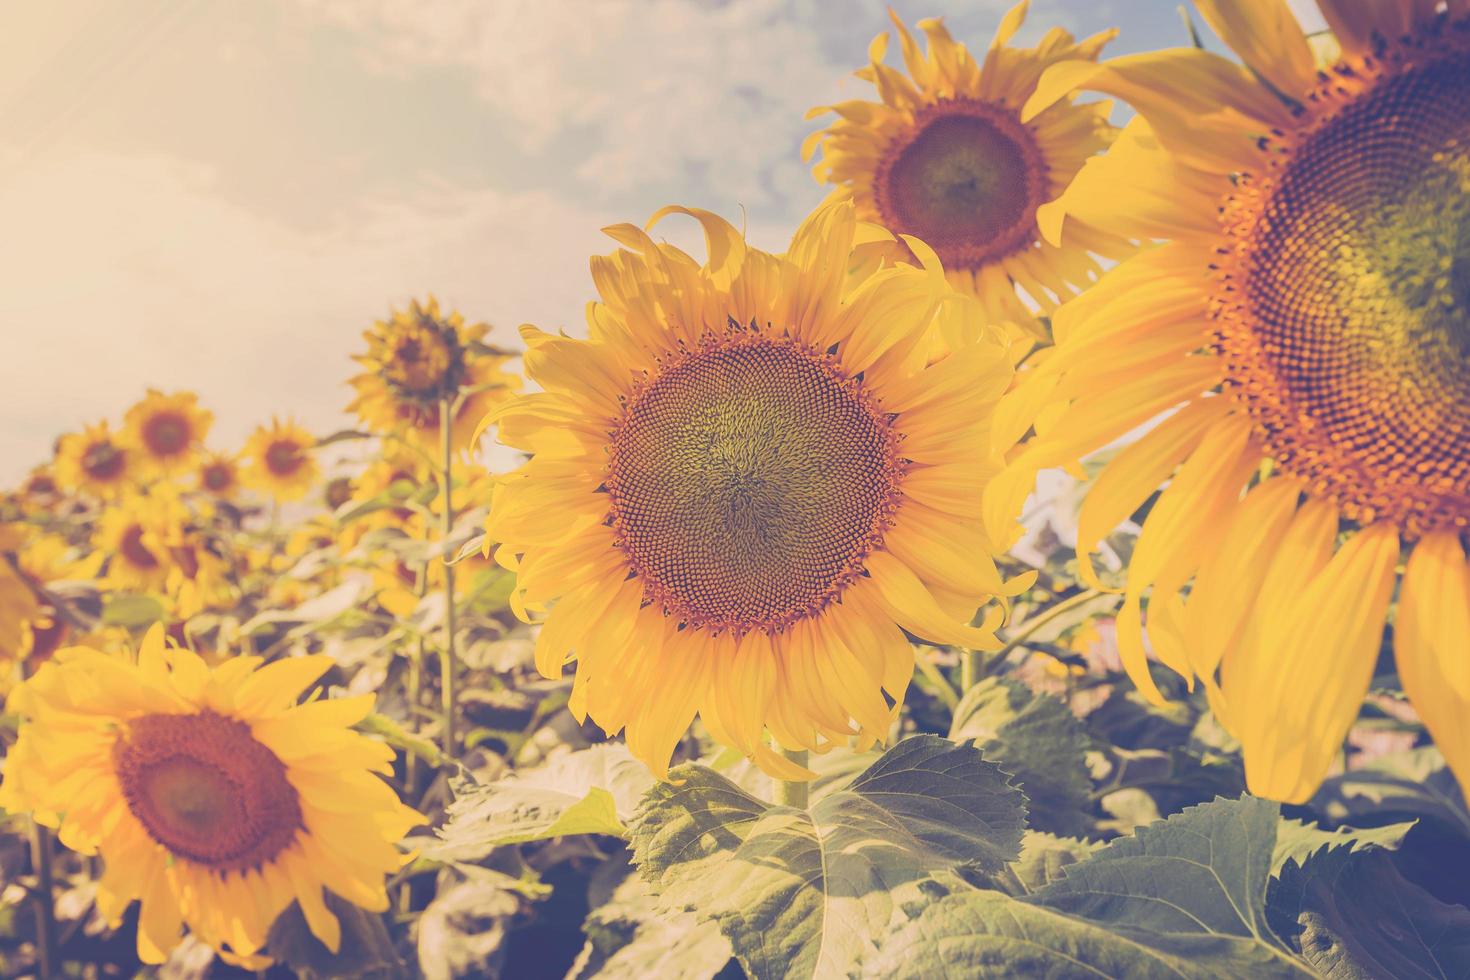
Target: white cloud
[[117, 273], [667, 89]]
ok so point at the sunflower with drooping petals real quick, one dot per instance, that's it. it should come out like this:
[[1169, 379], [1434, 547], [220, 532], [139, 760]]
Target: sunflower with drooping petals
[[946, 157], [167, 430], [1306, 325], [19, 604], [218, 474], [744, 483], [279, 460], [211, 795], [96, 461], [417, 359]]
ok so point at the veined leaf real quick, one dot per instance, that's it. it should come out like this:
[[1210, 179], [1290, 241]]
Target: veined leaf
[[807, 893], [587, 792], [1297, 840], [975, 932], [1353, 915], [629, 939], [1203, 870], [1037, 739]]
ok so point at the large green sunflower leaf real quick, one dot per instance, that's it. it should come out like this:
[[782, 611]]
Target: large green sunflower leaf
[[1038, 739], [587, 792], [807, 893], [628, 938], [973, 932], [1203, 870], [1353, 915], [1183, 897]]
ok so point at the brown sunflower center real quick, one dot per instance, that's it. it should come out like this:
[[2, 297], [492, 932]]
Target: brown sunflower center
[[425, 361], [284, 457], [1344, 307], [103, 461], [966, 178], [204, 788], [166, 434], [132, 548], [218, 477], [749, 479]]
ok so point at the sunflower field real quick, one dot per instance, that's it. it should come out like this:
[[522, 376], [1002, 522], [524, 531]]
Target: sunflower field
[[1052, 564]]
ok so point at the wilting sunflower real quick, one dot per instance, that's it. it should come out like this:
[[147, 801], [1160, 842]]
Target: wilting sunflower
[[19, 605], [167, 430], [1309, 319], [210, 794], [280, 461], [744, 482], [945, 156], [218, 475], [133, 534], [96, 461], [417, 359]]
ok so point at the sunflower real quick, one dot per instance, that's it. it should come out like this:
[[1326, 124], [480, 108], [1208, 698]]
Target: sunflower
[[945, 156], [211, 796], [419, 358], [280, 460], [133, 535], [46, 558], [168, 430], [96, 461], [218, 474], [1305, 331], [744, 483], [19, 605]]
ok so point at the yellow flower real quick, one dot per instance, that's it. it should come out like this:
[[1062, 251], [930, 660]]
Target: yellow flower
[[95, 461], [40, 486], [167, 430], [417, 359], [1304, 331], [744, 482], [133, 536], [212, 797], [280, 460], [19, 605], [218, 474], [945, 156]]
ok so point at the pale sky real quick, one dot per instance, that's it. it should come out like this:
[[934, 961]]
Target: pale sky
[[220, 195]]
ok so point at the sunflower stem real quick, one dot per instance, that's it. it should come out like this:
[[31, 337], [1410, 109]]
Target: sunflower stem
[[415, 687], [450, 661], [972, 668], [794, 792], [44, 899]]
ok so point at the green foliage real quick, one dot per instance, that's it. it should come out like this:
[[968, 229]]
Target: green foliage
[[808, 893], [1036, 738], [586, 792], [1353, 915]]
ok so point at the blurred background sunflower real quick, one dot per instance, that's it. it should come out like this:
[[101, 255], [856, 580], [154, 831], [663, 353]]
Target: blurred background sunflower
[[1304, 323], [168, 431], [95, 461], [279, 461], [422, 364]]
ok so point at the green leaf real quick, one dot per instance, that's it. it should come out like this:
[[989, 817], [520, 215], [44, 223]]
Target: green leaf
[[345, 435], [1039, 740], [1298, 840], [980, 933], [1353, 915], [805, 893], [586, 792], [132, 611], [1045, 858], [317, 610], [462, 933], [1203, 871], [628, 938]]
